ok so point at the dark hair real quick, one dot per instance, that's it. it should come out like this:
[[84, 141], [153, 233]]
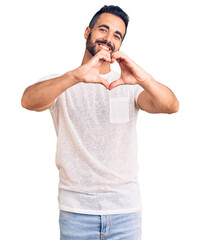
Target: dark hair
[[115, 10]]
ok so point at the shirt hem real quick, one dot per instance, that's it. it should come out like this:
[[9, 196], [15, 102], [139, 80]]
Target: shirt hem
[[76, 210]]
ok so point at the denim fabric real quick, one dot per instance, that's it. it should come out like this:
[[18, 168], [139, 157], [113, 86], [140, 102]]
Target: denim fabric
[[77, 226]]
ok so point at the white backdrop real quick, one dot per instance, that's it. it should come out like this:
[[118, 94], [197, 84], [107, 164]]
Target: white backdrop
[[44, 37]]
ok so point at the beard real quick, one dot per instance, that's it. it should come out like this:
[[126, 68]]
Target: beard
[[91, 47]]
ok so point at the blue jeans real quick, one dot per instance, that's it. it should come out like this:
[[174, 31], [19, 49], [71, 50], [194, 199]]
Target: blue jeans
[[77, 226]]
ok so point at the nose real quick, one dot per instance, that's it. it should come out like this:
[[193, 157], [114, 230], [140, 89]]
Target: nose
[[108, 37]]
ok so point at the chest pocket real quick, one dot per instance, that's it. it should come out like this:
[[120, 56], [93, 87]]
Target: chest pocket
[[119, 109]]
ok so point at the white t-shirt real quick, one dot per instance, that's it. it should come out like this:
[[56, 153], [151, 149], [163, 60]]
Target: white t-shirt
[[97, 148]]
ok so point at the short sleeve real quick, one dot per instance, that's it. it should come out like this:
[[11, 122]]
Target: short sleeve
[[137, 90]]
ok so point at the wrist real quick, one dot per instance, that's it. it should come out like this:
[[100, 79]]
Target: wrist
[[146, 80], [73, 76]]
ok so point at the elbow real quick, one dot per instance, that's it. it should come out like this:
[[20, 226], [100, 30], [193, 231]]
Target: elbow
[[174, 108], [28, 103], [27, 100], [25, 103]]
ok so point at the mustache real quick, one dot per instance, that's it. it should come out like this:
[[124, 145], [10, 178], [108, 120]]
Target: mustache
[[106, 43]]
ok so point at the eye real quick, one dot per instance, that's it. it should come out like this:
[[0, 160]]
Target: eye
[[102, 29], [117, 37]]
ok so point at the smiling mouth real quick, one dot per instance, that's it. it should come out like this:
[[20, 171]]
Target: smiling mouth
[[105, 47]]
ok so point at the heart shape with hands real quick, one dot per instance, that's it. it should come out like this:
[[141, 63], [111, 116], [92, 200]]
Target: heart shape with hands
[[131, 73]]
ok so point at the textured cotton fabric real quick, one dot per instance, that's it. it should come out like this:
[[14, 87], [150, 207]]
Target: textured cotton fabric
[[97, 148]]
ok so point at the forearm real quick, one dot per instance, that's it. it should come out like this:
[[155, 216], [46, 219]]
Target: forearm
[[162, 97], [44, 93]]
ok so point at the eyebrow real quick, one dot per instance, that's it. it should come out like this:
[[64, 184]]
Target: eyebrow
[[106, 26]]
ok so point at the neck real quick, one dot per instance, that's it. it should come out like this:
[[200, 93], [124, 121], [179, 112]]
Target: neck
[[105, 66]]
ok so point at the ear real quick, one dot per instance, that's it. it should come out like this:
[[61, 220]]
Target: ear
[[86, 33]]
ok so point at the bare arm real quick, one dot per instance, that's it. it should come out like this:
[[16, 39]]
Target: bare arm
[[157, 98], [40, 96]]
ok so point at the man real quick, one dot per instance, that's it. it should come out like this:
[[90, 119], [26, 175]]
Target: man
[[96, 129]]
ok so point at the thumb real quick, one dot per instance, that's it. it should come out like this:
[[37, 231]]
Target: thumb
[[104, 82], [116, 83]]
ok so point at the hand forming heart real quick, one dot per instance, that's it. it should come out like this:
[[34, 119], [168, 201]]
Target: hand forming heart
[[131, 73]]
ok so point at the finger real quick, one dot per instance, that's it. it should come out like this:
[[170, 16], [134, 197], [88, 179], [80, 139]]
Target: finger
[[105, 57], [117, 53], [103, 53], [115, 84], [119, 56], [113, 60], [104, 82]]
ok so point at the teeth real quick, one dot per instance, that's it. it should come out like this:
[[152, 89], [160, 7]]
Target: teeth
[[104, 47]]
